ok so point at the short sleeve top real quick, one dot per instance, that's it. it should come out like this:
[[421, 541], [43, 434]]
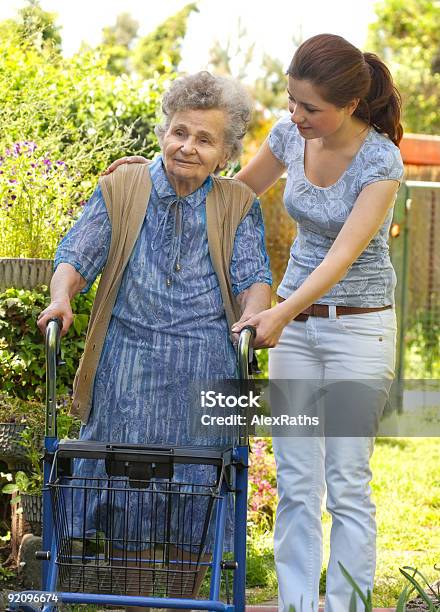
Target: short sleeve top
[[320, 213]]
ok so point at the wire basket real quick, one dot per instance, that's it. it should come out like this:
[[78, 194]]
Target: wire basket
[[127, 534]]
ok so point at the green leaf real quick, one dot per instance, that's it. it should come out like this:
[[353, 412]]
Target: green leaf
[[403, 598], [418, 587], [366, 600], [419, 573], [352, 606]]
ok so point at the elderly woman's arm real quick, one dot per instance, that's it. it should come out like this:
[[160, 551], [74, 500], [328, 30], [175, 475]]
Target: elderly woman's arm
[[79, 259], [65, 284], [254, 299]]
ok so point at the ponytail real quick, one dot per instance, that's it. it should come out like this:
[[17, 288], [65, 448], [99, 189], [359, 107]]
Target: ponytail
[[381, 107]]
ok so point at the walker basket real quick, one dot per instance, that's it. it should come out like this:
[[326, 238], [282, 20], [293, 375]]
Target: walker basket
[[136, 530]]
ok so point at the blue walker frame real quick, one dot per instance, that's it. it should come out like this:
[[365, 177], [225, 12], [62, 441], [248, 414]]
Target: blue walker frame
[[48, 555]]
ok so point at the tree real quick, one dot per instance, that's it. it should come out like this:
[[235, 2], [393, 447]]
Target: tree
[[235, 57], [38, 26], [270, 87], [407, 36], [117, 43], [268, 91], [160, 51]]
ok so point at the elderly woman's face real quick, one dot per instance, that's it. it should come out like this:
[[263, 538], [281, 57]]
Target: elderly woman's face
[[193, 147]]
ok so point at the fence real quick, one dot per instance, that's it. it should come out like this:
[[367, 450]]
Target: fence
[[415, 252]]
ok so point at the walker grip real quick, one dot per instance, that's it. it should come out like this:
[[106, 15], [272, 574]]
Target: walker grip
[[252, 329]]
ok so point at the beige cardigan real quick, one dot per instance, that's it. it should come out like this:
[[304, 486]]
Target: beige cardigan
[[126, 193]]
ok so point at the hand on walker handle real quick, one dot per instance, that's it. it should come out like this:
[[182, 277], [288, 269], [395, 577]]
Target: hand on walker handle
[[242, 322], [56, 310], [269, 325], [134, 159]]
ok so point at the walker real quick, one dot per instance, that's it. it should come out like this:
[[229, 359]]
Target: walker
[[154, 566]]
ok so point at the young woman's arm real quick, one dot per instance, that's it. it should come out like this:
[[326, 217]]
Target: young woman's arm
[[363, 223], [133, 159], [262, 171]]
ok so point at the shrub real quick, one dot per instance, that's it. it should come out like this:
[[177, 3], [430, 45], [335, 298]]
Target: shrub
[[31, 480], [36, 194], [62, 121], [262, 486], [422, 344], [22, 350]]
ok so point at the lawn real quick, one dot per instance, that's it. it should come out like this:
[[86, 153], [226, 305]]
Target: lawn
[[406, 490]]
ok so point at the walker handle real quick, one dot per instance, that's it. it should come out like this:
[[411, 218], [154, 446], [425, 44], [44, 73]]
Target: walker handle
[[53, 331], [245, 351]]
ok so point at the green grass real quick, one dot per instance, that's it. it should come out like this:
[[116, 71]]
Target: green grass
[[406, 491]]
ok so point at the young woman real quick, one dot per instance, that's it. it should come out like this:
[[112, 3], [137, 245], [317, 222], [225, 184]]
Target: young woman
[[335, 317]]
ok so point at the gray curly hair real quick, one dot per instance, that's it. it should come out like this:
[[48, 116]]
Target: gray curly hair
[[205, 91]]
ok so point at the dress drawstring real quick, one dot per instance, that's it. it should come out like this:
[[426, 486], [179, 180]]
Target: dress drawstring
[[159, 237]]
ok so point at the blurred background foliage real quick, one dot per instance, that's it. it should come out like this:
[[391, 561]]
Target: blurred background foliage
[[407, 36]]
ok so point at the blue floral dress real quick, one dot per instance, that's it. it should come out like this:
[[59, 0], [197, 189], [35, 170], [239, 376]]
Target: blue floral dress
[[168, 326]]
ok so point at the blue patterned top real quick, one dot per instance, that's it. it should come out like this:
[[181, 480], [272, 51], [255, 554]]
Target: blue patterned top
[[320, 213], [163, 316]]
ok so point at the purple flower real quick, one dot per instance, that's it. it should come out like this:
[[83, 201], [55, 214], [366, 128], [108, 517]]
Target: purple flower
[[60, 163], [12, 181], [13, 197], [47, 162], [31, 145]]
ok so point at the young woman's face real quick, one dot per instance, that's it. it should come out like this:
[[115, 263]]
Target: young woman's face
[[314, 117]]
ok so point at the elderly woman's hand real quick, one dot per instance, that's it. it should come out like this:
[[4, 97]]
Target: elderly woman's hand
[[134, 159], [57, 309], [269, 325]]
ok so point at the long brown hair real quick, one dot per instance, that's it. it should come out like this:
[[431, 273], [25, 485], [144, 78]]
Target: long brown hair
[[342, 73]]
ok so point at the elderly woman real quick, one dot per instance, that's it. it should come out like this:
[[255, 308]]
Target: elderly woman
[[182, 257]]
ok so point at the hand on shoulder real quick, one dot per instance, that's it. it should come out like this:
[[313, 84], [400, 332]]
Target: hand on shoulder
[[133, 159]]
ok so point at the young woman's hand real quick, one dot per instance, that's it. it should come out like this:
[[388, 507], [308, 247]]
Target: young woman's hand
[[134, 159], [269, 325]]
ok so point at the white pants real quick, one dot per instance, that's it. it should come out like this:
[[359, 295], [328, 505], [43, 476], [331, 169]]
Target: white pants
[[348, 347]]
